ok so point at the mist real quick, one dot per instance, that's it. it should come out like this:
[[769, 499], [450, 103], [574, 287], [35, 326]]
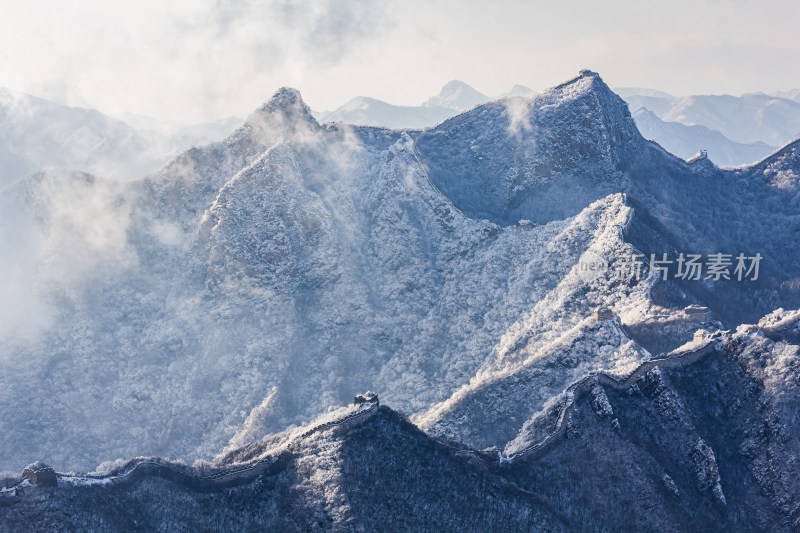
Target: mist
[[205, 60]]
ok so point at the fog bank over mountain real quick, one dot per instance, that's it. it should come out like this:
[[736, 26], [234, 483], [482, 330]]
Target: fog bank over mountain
[[36, 134]]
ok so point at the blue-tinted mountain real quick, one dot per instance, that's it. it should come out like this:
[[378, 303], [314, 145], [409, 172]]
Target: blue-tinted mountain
[[701, 439], [267, 276], [754, 117], [36, 133], [686, 141]]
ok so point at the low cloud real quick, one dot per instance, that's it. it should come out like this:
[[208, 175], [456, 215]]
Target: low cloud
[[60, 232], [188, 59], [518, 111]]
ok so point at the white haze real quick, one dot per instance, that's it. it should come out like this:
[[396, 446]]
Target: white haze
[[201, 60]]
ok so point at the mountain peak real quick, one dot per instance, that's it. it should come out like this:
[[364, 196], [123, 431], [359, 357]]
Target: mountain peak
[[616, 114], [458, 96], [285, 106], [455, 85], [595, 82], [284, 98], [586, 82], [519, 90]]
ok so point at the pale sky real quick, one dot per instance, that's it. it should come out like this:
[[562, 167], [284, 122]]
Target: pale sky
[[197, 60]]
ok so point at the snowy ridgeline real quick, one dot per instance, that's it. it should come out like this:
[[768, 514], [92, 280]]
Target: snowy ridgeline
[[664, 448], [256, 281]]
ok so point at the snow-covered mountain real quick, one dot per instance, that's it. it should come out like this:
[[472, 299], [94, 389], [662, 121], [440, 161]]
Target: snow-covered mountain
[[685, 141], [256, 281], [701, 440], [364, 111], [376, 472], [455, 97], [458, 96], [36, 133], [743, 119]]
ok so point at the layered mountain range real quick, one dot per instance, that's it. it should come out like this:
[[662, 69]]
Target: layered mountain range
[[454, 98], [733, 130], [685, 141], [753, 117], [36, 133], [252, 283]]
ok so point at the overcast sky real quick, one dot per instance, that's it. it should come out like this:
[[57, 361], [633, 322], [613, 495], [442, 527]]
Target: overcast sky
[[197, 60]]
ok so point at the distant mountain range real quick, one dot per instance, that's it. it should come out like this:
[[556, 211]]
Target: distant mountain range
[[733, 130], [743, 119], [36, 133], [794, 94], [685, 141], [455, 97]]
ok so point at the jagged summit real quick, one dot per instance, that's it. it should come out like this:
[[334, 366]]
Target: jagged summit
[[286, 102], [283, 98], [589, 82], [345, 234]]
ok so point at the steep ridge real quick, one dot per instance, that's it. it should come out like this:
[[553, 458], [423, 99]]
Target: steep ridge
[[323, 265], [374, 472], [698, 439], [780, 171], [506, 160], [577, 143], [556, 343], [509, 160], [679, 207], [692, 440], [681, 357]]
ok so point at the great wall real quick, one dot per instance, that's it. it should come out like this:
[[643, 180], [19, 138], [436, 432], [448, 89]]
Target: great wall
[[584, 386], [189, 477], [675, 358], [240, 474]]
